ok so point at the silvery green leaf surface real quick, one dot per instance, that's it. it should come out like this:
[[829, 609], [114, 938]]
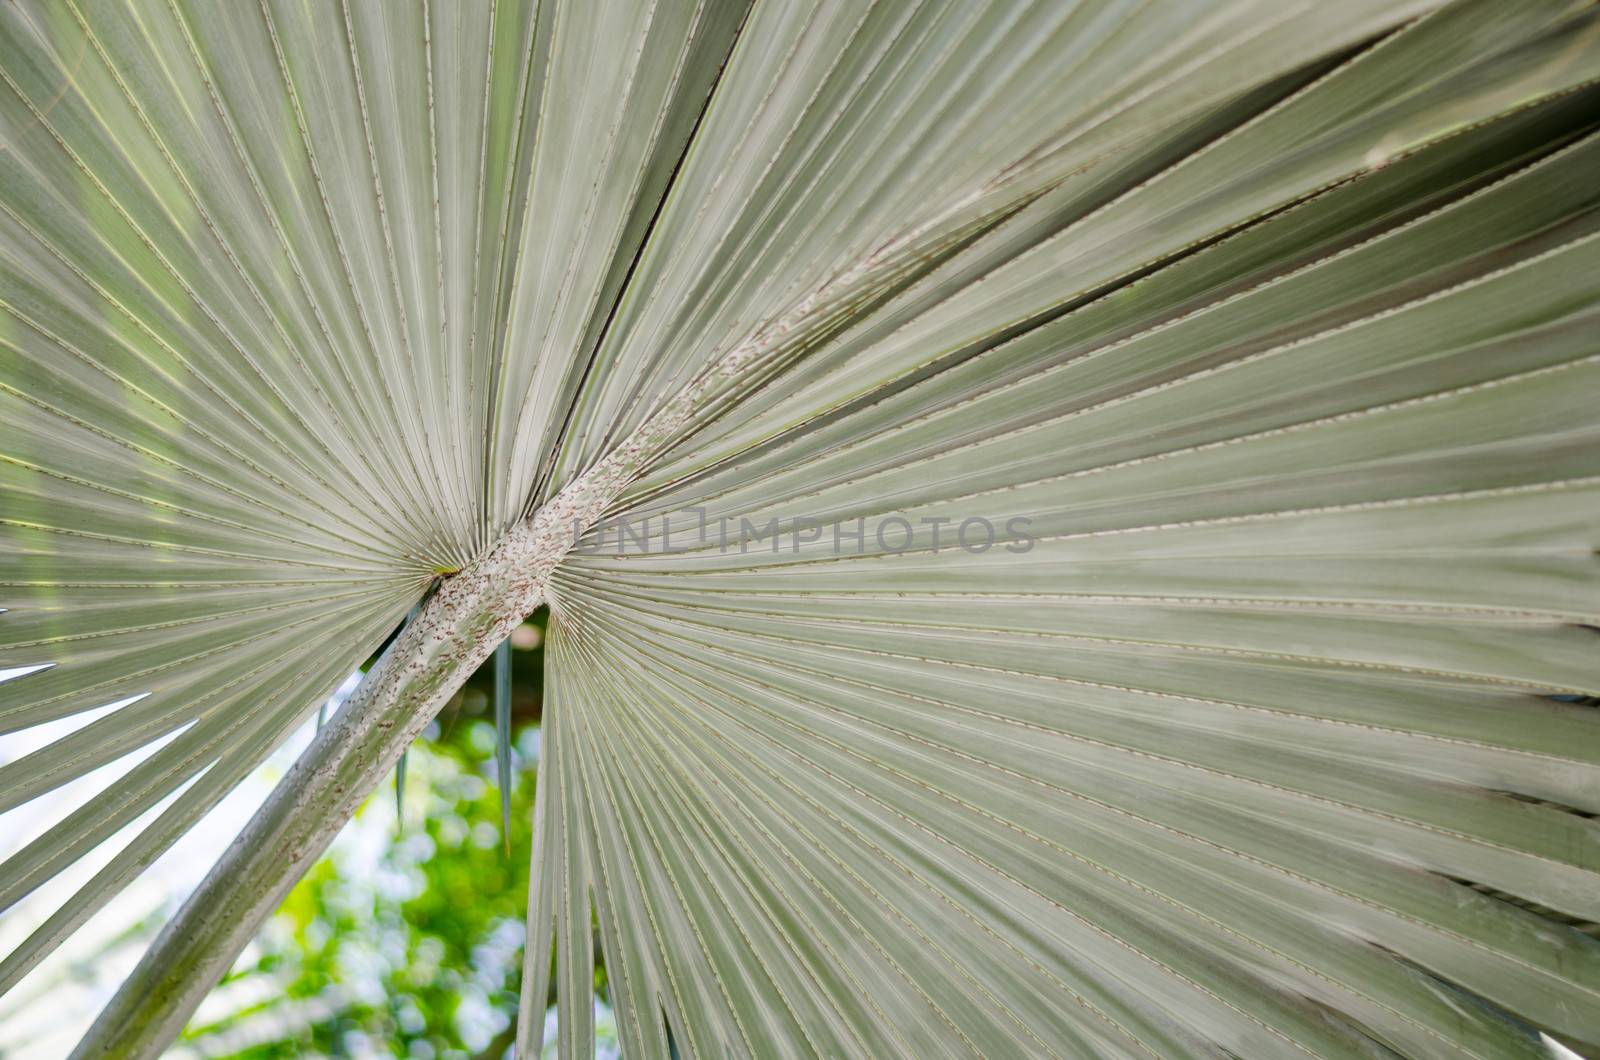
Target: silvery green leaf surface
[[1265, 333]]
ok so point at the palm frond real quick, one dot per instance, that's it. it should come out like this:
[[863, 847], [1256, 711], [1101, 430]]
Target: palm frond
[[1256, 341]]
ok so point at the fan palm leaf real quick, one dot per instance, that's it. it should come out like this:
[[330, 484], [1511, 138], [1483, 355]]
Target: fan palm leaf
[[1157, 443]]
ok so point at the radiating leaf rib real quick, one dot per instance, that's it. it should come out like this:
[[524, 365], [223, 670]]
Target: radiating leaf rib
[[747, 618], [658, 662], [1452, 234], [1206, 186], [226, 723], [107, 738], [250, 744]]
